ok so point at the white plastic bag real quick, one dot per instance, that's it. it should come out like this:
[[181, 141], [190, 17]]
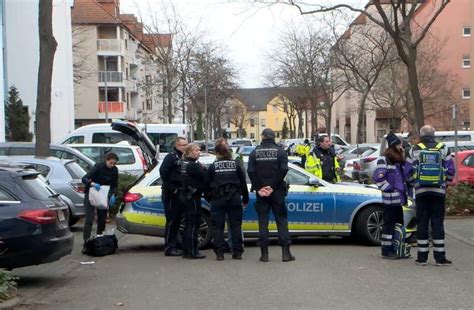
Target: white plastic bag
[[99, 199]]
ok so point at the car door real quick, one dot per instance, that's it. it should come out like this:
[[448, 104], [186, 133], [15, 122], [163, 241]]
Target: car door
[[310, 208]]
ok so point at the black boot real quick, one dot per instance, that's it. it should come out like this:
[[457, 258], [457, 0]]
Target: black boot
[[264, 257], [220, 256], [286, 254]]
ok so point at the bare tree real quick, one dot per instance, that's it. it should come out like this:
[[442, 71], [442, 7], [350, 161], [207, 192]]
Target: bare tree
[[239, 117], [396, 17], [360, 55], [45, 72], [81, 69]]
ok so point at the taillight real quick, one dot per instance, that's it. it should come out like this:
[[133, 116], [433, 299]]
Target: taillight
[[78, 187], [41, 216], [142, 158], [131, 197], [369, 159]]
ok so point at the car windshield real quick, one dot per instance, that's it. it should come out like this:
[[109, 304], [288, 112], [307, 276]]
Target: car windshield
[[75, 170], [242, 142], [164, 140]]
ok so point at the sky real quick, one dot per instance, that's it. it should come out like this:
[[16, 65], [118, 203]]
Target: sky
[[248, 32]]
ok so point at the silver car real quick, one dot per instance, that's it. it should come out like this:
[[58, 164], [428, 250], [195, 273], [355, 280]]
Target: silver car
[[64, 177]]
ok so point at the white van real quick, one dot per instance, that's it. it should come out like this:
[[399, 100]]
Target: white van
[[445, 136], [163, 135]]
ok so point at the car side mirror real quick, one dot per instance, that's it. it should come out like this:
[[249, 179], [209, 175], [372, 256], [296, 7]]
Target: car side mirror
[[313, 182]]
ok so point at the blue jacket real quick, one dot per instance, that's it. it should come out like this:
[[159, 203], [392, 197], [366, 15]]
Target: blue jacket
[[391, 179]]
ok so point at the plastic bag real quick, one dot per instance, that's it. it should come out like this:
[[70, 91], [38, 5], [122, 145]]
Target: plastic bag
[[99, 199]]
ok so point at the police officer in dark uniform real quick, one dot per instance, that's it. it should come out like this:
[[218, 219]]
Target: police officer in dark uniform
[[226, 181], [193, 184], [170, 174], [267, 168]]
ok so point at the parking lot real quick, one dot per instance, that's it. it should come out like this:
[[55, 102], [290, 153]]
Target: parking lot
[[328, 273]]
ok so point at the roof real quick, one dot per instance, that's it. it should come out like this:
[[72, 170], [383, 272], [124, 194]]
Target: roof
[[256, 99], [91, 12]]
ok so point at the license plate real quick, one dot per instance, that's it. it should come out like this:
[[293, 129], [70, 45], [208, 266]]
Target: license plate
[[61, 216]]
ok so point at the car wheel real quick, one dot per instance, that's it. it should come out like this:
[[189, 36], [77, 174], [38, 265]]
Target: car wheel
[[369, 225], [204, 234]]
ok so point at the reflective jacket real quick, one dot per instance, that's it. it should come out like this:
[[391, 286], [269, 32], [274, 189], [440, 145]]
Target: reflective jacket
[[313, 165], [303, 150], [448, 165], [391, 179]]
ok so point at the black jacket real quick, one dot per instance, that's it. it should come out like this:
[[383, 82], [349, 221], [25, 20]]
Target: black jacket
[[233, 174], [102, 175], [268, 166], [169, 171]]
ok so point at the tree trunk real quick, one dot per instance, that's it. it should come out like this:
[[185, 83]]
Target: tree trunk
[[415, 90], [360, 117], [170, 105], [328, 121], [306, 123], [45, 72], [300, 123]]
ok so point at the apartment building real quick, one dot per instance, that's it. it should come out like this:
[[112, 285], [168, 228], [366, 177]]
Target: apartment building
[[21, 60], [451, 32], [117, 76]]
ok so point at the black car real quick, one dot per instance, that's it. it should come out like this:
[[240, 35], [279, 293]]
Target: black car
[[34, 226], [59, 151]]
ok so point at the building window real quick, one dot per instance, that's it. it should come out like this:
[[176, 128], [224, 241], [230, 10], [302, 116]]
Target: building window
[[262, 122], [466, 31], [149, 104], [252, 135], [252, 122], [466, 93], [275, 109], [466, 61]]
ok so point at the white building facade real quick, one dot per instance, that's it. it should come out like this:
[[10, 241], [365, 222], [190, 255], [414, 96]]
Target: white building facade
[[22, 60]]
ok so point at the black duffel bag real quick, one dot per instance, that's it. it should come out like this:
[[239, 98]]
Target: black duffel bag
[[101, 245]]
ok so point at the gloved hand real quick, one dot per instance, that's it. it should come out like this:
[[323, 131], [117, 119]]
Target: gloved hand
[[97, 186], [112, 200]]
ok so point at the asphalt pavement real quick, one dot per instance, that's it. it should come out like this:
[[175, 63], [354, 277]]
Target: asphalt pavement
[[329, 273]]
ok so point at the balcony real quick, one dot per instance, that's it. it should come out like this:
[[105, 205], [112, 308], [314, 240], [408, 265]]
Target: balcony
[[109, 47], [112, 76], [113, 107]]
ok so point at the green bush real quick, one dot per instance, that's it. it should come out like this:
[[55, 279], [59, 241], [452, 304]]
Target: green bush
[[124, 182], [460, 199], [7, 284]]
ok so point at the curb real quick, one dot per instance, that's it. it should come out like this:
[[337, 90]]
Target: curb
[[10, 304]]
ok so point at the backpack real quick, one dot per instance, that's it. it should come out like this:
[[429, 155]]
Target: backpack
[[101, 245], [401, 248], [430, 171]]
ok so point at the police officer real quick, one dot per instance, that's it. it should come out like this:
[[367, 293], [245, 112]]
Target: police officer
[[303, 151], [267, 168], [192, 186], [226, 180], [323, 161], [170, 175], [430, 199]]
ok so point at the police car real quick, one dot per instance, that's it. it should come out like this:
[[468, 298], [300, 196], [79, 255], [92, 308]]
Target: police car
[[315, 208]]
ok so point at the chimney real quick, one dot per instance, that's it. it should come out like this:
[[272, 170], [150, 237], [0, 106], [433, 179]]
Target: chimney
[[111, 6]]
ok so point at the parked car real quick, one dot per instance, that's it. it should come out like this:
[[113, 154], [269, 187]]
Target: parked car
[[244, 142], [245, 150], [465, 165], [315, 207], [202, 144], [63, 176], [163, 135], [131, 159], [33, 221], [363, 168], [56, 150], [348, 156]]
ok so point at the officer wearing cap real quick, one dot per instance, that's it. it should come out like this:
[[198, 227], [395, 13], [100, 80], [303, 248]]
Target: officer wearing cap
[[267, 168]]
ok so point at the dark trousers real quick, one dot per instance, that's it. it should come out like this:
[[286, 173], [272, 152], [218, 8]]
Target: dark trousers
[[173, 213], [392, 214], [192, 219], [233, 209], [89, 218], [276, 203], [430, 209]]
